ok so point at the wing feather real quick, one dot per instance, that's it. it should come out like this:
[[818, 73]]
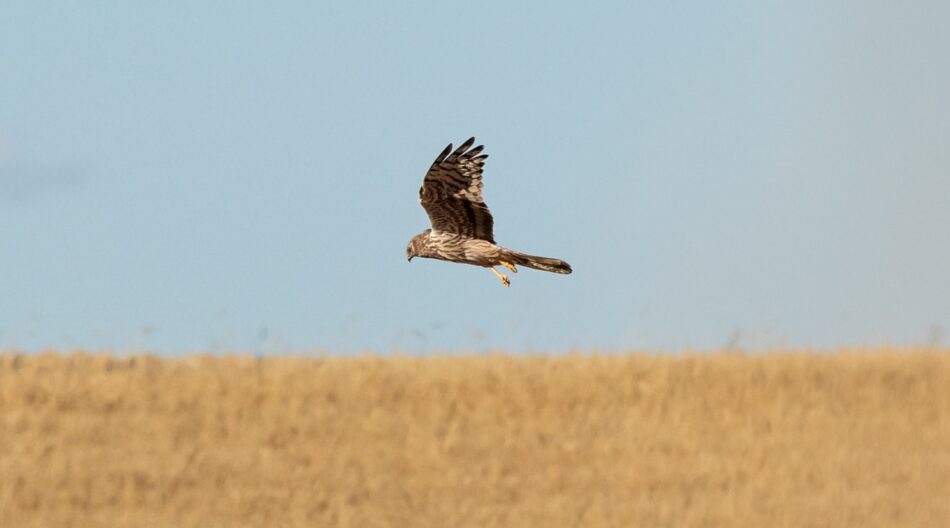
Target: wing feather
[[451, 193]]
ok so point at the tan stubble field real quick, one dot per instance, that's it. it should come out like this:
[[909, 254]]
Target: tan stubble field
[[858, 437]]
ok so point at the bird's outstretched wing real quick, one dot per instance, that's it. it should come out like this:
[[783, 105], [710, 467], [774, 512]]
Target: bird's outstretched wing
[[451, 193]]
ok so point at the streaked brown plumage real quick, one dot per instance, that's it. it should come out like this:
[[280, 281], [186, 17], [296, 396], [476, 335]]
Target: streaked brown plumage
[[451, 195]]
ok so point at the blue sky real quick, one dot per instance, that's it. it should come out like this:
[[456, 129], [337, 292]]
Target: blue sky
[[203, 176]]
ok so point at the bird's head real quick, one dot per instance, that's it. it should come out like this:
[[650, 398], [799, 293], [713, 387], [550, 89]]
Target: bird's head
[[417, 245]]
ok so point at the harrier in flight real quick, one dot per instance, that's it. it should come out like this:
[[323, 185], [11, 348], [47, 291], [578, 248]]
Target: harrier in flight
[[461, 231]]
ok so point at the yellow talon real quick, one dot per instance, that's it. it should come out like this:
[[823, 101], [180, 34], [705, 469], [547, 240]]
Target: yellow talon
[[504, 279], [511, 267]]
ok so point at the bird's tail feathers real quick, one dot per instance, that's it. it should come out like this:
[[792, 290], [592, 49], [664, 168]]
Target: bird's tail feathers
[[539, 263]]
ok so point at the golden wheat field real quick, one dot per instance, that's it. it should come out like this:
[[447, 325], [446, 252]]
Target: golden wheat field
[[851, 438]]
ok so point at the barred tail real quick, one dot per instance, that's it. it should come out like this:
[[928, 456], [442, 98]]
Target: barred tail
[[540, 263]]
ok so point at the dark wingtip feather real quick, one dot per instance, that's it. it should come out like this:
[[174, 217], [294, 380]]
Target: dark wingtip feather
[[444, 153], [463, 147]]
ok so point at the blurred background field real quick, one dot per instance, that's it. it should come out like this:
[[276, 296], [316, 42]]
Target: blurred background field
[[857, 437]]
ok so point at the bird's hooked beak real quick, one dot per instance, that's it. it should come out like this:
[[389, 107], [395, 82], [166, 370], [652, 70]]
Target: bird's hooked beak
[[409, 259]]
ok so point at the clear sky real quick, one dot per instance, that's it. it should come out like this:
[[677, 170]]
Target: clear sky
[[221, 176]]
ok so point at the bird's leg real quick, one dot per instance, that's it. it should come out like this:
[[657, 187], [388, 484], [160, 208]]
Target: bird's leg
[[511, 267], [504, 279]]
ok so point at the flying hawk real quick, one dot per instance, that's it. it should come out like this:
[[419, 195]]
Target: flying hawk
[[451, 195]]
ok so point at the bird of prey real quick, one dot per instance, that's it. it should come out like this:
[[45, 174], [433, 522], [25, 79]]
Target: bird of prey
[[451, 195]]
